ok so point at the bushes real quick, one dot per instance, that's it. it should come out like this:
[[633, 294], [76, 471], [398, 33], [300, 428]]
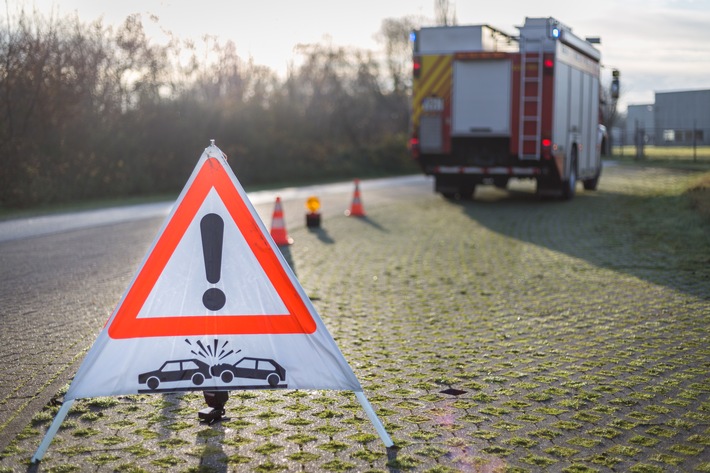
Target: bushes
[[91, 111]]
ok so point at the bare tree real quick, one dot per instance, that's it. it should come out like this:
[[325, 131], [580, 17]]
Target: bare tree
[[394, 34], [92, 111], [444, 13], [609, 113]]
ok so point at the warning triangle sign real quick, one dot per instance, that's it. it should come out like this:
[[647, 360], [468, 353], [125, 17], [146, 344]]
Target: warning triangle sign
[[254, 292], [214, 306]]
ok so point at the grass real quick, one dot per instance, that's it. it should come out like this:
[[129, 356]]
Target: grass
[[671, 153], [699, 194]]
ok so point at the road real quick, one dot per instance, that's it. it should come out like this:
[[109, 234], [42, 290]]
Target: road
[[262, 200], [62, 275]]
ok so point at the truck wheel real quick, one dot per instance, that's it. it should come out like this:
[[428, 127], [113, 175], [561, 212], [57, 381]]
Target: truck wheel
[[465, 193], [593, 183], [500, 182], [454, 187], [468, 191], [569, 186]]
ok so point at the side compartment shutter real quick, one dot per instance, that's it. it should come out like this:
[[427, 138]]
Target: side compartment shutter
[[430, 134]]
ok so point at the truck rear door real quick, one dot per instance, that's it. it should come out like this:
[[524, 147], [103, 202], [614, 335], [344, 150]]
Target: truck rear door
[[481, 97]]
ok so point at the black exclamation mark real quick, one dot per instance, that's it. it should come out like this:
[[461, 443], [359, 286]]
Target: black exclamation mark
[[212, 228]]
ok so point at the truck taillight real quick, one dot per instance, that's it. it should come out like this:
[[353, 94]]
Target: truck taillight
[[414, 146], [548, 63], [548, 66], [417, 66]]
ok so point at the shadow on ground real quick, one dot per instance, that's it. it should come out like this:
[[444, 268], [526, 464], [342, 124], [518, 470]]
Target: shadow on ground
[[658, 239]]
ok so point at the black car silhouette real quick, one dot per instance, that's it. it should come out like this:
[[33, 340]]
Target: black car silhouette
[[252, 368], [178, 370]]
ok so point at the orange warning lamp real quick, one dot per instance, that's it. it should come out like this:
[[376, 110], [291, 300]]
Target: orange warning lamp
[[313, 204], [313, 216]]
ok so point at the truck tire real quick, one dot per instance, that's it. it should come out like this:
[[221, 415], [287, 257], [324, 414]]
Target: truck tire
[[448, 186], [501, 182], [593, 183], [467, 191], [455, 187], [569, 185], [462, 195]]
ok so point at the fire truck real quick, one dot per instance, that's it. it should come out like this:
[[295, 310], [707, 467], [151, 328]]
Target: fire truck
[[489, 106]]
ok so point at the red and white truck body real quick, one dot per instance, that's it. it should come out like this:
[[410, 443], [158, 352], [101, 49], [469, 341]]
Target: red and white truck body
[[488, 106]]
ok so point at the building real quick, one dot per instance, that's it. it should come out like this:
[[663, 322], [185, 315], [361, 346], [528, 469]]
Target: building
[[682, 118], [679, 118], [640, 119]]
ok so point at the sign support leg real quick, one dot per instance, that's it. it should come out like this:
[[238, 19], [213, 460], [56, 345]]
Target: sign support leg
[[58, 419], [374, 419]]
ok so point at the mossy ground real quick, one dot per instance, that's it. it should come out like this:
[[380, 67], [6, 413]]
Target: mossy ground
[[503, 334]]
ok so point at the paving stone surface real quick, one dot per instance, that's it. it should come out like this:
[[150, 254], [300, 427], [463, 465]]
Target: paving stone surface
[[503, 334]]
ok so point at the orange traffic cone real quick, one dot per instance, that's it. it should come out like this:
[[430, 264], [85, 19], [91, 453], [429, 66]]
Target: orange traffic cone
[[356, 209], [278, 226]]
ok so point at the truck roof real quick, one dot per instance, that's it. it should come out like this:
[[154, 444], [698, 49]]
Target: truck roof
[[539, 29], [486, 38], [463, 38]]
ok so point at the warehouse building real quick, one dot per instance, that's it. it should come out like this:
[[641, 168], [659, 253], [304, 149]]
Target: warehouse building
[[679, 118], [640, 120], [682, 118]]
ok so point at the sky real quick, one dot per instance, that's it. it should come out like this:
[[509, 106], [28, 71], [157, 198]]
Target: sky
[[657, 45]]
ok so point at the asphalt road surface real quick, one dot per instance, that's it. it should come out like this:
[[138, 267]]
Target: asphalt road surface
[[63, 274]]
